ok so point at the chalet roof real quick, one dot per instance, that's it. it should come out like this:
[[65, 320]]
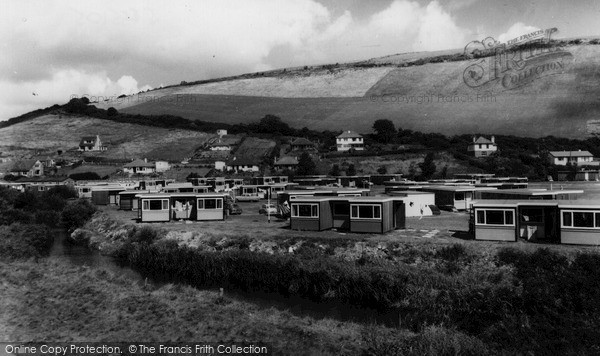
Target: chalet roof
[[483, 140], [138, 163], [302, 142], [571, 153], [349, 134], [287, 161]]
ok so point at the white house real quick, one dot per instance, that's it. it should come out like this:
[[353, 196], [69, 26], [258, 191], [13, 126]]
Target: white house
[[561, 158], [350, 140], [28, 168], [162, 166], [482, 147], [220, 165], [91, 143], [139, 167]]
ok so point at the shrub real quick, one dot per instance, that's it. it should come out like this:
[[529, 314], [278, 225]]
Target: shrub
[[11, 216], [25, 241], [77, 213], [146, 234]]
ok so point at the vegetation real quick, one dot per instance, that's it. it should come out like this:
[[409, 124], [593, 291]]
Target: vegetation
[[77, 213], [19, 241], [306, 166]]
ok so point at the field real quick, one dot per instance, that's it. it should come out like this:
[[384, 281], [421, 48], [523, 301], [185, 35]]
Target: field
[[255, 148], [125, 141], [428, 98]]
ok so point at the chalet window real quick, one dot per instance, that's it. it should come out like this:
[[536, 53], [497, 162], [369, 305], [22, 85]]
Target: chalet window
[[210, 204], [365, 211], [155, 204], [497, 217], [581, 219], [305, 210]]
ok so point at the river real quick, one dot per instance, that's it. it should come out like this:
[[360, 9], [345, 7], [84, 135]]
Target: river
[[78, 255]]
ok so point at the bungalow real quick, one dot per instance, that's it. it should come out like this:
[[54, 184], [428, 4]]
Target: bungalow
[[302, 144], [482, 147], [269, 180], [91, 143], [286, 163], [28, 168], [106, 194], [562, 158], [127, 200], [186, 187], [180, 206], [247, 193], [567, 222], [242, 164], [354, 214], [348, 140], [139, 167]]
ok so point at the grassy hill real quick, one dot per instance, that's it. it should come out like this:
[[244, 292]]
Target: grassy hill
[[49, 133], [431, 97]]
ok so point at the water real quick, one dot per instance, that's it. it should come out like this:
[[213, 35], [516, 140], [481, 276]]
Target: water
[[78, 255]]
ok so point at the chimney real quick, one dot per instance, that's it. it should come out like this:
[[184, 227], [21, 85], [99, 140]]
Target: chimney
[[493, 139], [474, 139], [145, 160]]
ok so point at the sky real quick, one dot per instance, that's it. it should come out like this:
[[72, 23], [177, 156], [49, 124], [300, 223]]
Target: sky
[[52, 50]]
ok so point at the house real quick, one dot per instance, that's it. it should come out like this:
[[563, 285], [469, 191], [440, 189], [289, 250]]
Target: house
[[302, 144], [562, 158], [161, 166], [91, 143], [353, 214], [242, 164], [348, 140], [563, 221], [106, 194], [139, 167], [287, 162], [28, 168], [482, 147]]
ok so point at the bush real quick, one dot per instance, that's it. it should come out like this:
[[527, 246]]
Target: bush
[[11, 216], [25, 241], [77, 213]]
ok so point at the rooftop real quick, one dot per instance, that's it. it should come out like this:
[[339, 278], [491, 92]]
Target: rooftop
[[349, 134], [578, 153]]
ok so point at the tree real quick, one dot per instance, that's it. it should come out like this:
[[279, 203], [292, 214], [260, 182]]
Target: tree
[[382, 170], [385, 131], [335, 170], [427, 167], [351, 171], [112, 111], [306, 166]]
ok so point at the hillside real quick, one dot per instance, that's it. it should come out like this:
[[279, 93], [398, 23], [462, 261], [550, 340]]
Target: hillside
[[49, 133], [431, 98]]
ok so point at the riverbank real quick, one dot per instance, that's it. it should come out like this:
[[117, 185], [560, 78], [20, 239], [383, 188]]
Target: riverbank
[[54, 301]]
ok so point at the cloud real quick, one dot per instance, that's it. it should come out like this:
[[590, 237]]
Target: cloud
[[68, 47], [515, 31], [20, 97]]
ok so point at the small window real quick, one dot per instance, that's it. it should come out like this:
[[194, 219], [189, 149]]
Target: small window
[[305, 210], [597, 219], [165, 204], [583, 219], [567, 218], [480, 217]]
